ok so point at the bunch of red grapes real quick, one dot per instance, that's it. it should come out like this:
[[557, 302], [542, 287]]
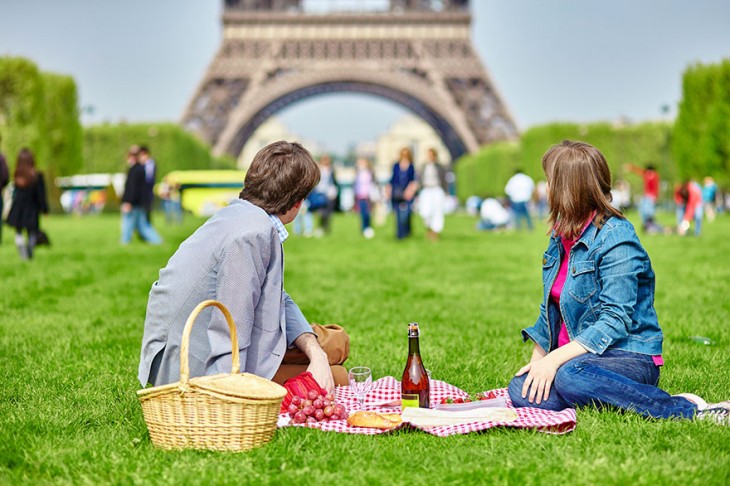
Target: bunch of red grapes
[[315, 408]]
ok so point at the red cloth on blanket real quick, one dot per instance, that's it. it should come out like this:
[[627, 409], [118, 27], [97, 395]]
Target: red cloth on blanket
[[300, 386], [385, 398]]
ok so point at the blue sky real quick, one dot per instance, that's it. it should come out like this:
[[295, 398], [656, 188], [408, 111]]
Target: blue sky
[[579, 60]]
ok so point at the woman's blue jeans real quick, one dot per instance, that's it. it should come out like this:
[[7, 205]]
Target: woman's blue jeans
[[402, 219], [363, 207], [618, 378], [521, 212]]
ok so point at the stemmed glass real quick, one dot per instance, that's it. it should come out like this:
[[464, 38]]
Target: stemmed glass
[[361, 382]]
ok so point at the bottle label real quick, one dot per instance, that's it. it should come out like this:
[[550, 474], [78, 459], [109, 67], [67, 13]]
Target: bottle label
[[409, 400]]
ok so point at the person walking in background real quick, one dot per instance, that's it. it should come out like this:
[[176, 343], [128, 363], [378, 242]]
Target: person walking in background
[[150, 174], [493, 215], [29, 201], [597, 340], [134, 211], [431, 200], [647, 207], [4, 180], [328, 187], [169, 192], [519, 190], [401, 190], [541, 203], [366, 191], [304, 222], [688, 197], [709, 198]]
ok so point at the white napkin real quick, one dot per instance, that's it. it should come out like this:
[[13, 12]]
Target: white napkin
[[426, 417]]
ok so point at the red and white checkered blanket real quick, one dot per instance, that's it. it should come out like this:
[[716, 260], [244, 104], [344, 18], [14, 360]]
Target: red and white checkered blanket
[[385, 398]]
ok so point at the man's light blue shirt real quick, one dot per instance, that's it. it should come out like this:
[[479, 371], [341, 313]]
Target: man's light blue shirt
[[283, 233], [296, 323]]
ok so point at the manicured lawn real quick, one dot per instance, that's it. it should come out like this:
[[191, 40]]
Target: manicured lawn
[[71, 325]]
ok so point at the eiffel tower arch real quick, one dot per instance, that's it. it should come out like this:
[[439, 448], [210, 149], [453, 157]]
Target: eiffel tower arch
[[415, 53]]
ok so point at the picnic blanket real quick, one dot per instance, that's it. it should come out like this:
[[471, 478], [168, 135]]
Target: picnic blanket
[[385, 398]]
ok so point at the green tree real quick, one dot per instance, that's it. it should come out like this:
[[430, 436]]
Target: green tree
[[64, 133], [105, 148], [487, 171], [701, 143], [22, 109]]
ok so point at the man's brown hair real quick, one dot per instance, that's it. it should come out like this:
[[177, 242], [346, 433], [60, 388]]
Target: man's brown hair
[[579, 182], [281, 174]]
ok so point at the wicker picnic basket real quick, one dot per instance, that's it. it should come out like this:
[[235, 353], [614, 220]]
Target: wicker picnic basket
[[225, 412]]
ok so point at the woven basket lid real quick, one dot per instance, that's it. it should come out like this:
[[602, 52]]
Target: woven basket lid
[[241, 385]]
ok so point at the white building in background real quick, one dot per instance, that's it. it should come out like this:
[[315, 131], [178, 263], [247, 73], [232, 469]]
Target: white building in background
[[272, 130], [414, 133]]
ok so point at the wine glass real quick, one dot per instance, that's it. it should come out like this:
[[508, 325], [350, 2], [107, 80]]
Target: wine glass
[[361, 382]]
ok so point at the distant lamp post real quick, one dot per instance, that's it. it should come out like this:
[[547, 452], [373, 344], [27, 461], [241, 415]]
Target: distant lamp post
[[89, 111]]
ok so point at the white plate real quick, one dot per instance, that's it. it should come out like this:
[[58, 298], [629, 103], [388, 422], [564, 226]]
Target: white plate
[[499, 402]]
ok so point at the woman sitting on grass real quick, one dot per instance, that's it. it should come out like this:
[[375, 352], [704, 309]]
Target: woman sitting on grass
[[597, 338]]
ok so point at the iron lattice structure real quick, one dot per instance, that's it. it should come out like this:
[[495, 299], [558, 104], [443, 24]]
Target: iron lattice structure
[[416, 53]]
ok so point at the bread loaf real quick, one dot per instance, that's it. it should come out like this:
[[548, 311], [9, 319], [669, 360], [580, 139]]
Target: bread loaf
[[374, 419]]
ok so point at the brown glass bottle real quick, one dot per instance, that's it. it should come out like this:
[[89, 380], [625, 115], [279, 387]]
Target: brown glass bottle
[[414, 384]]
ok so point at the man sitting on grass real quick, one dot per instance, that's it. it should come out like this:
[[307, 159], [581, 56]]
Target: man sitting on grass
[[237, 258]]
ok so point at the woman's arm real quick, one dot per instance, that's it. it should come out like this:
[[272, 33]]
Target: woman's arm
[[541, 370], [537, 353]]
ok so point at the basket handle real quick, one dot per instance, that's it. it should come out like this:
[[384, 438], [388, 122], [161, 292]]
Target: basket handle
[[184, 345]]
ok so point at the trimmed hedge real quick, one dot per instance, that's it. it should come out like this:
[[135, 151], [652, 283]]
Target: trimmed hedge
[[701, 142], [64, 134], [40, 111], [486, 172], [22, 110], [105, 148]]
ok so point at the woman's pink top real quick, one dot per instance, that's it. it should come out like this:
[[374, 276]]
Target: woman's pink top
[[557, 289]]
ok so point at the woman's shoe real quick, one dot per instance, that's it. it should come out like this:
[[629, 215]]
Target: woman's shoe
[[719, 415], [701, 404]]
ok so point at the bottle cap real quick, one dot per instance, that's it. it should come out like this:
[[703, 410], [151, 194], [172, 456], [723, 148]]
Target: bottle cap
[[413, 330]]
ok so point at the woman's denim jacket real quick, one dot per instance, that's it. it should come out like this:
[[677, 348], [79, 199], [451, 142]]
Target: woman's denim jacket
[[608, 297]]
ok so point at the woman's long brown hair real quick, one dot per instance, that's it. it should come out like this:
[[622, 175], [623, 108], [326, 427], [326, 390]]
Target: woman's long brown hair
[[25, 173], [579, 183]]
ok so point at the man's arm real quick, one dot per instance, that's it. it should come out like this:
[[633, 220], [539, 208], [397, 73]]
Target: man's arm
[[318, 363], [299, 333], [296, 323]]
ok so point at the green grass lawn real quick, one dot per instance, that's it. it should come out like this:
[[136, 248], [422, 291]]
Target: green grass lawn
[[71, 325]]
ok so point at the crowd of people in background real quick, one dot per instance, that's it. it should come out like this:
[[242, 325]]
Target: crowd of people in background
[[323, 201], [399, 193], [407, 190], [693, 203], [425, 191]]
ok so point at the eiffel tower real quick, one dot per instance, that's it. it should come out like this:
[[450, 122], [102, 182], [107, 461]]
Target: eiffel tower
[[415, 53]]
